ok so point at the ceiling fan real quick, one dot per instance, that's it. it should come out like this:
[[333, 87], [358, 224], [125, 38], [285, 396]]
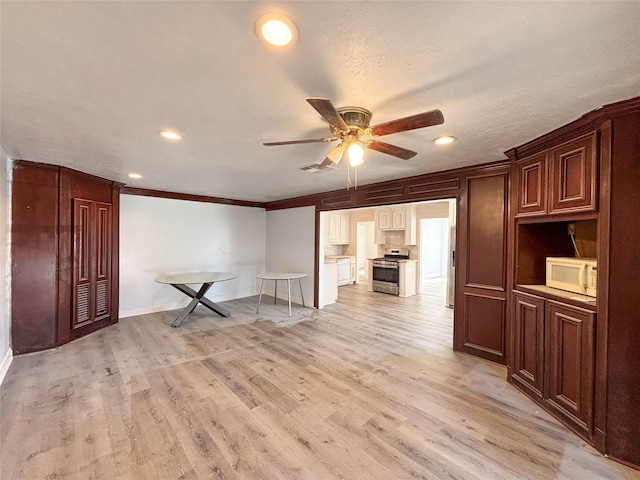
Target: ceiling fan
[[350, 126]]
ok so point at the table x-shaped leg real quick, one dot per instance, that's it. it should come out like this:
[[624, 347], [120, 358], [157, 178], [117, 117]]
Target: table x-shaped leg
[[198, 297]]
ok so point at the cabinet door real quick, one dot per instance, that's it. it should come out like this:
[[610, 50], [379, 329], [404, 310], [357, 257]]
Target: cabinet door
[[92, 262], [570, 363], [334, 228], [528, 363], [481, 304], [383, 216], [532, 185], [398, 218], [573, 176], [345, 228]]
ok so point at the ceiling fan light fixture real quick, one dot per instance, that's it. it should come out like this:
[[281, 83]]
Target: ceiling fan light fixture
[[335, 154], [356, 152], [444, 140], [276, 30]]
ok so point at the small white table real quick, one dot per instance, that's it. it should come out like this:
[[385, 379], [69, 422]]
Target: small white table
[[207, 279], [280, 276]]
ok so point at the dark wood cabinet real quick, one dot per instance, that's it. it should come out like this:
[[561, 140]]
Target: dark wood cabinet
[[531, 178], [560, 180], [570, 360], [92, 261], [528, 357], [64, 255], [590, 377], [480, 315], [554, 358], [573, 176]]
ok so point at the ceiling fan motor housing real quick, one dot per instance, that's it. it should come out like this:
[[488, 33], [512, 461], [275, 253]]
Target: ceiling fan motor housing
[[356, 118]]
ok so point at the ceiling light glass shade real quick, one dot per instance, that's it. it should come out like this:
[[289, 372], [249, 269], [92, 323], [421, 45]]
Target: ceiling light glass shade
[[356, 153], [444, 140], [276, 29], [336, 153]]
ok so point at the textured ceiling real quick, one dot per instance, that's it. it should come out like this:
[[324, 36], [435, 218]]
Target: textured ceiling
[[89, 84]]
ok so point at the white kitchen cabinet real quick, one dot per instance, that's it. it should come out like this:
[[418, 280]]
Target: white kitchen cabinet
[[411, 226], [383, 218], [398, 218], [344, 271], [402, 217], [391, 218], [339, 228], [407, 273], [330, 293]]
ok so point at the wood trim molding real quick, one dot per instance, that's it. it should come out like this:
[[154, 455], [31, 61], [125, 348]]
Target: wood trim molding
[[428, 186], [587, 123], [187, 196]]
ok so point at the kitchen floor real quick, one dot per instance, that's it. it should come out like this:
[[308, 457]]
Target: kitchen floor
[[434, 287]]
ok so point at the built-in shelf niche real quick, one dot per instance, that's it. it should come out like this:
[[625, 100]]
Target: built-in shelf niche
[[537, 241]]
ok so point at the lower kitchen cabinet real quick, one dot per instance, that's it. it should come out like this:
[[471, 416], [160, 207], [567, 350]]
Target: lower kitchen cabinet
[[528, 362], [570, 359], [554, 358]]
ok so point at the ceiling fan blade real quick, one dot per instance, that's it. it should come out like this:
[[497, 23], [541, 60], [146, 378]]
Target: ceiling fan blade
[[325, 108], [421, 120], [295, 142], [391, 150]]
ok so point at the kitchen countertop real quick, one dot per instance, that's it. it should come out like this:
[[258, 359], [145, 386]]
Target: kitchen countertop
[[334, 258]]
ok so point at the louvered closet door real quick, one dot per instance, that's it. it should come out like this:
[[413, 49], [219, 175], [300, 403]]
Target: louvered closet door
[[92, 261]]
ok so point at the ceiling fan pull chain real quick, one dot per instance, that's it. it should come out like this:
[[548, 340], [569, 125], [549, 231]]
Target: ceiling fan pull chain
[[355, 176], [348, 178]]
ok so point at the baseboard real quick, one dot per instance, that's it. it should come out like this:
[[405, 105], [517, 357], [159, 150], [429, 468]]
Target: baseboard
[[4, 365], [133, 312]]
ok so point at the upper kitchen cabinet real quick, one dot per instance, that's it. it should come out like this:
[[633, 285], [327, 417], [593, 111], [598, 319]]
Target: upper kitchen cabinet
[[340, 228], [559, 180], [532, 185], [400, 217], [573, 175], [391, 218]]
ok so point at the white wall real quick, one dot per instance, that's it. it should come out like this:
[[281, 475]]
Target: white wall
[[290, 247], [5, 270], [160, 236]]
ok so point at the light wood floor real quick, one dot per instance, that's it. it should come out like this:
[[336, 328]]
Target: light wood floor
[[367, 388]]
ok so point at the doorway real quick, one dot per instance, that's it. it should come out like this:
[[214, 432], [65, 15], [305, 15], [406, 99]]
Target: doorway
[[434, 234], [437, 251], [365, 248]]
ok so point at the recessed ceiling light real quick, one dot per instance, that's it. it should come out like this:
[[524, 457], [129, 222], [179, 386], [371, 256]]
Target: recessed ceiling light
[[135, 175], [170, 135], [444, 140], [276, 29]]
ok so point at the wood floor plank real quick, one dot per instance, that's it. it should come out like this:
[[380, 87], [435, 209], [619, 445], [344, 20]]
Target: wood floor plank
[[367, 388]]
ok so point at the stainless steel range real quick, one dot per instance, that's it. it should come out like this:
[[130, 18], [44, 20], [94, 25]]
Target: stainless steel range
[[386, 271]]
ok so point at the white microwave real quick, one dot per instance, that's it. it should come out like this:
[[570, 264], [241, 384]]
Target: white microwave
[[578, 275]]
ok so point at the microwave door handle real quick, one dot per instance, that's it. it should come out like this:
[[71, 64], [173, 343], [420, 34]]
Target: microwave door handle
[[583, 280]]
